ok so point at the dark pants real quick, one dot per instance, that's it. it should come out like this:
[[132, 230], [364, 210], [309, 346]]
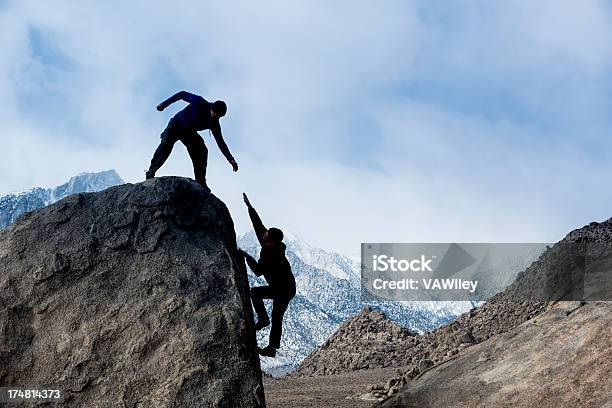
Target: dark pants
[[192, 141], [280, 302]]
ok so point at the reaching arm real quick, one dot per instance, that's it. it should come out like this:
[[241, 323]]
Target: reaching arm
[[216, 131], [182, 95], [258, 226]]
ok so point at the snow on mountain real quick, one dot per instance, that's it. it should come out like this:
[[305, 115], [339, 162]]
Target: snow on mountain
[[338, 265], [328, 292], [86, 183], [14, 204]]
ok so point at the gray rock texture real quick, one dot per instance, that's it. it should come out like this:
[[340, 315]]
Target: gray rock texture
[[132, 297], [510, 309], [369, 340], [560, 359]]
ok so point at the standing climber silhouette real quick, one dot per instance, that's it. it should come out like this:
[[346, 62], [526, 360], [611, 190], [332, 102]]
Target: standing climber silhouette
[[198, 115], [275, 268]]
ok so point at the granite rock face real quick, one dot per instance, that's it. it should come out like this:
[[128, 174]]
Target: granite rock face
[[132, 296], [559, 359]]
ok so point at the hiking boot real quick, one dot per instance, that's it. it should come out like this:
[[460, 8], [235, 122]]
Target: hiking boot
[[204, 185], [261, 323], [268, 351], [149, 175]]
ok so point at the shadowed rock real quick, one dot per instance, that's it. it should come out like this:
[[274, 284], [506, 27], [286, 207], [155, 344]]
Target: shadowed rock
[[132, 296]]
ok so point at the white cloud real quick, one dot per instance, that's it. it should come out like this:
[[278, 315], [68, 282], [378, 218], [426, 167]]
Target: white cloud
[[328, 146]]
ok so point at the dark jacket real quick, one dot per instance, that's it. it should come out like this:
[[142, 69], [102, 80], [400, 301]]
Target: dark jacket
[[196, 116], [273, 263]]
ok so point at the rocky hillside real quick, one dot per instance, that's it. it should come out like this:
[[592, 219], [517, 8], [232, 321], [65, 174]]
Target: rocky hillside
[[355, 347], [346, 350], [560, 359], [132, 296], [370, 340], [555, 270]]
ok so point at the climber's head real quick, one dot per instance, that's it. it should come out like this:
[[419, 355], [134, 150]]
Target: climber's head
[[273, 234], [218, 109]]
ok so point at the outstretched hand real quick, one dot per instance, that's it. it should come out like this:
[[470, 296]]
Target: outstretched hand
[[234, 165], [160, 107], [246, 200]]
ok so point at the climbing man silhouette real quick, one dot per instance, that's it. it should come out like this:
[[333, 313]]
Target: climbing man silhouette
[[199, 114], [275, 268]]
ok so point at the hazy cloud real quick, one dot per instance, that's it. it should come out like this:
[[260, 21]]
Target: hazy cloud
[[404, 121]]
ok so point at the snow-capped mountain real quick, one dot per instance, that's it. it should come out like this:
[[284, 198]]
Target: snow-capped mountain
[[338, 265], [328, 292], [14, 204]]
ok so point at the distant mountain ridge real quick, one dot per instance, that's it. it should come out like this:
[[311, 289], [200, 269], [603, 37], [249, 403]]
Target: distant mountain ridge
[[13, 205]]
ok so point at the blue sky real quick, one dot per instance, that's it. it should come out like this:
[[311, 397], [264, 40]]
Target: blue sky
[[404, 121]]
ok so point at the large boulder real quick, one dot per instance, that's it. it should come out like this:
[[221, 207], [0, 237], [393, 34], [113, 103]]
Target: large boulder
[[133, 296]]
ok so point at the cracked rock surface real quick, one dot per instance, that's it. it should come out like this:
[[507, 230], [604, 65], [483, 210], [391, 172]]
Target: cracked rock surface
[[132, 296]]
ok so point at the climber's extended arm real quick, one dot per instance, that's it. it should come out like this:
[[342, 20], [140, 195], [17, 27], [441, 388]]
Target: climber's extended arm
[[258, 226], [182, 95]]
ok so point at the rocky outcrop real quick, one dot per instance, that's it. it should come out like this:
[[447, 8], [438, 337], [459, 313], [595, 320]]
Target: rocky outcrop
[[133, 296], [368, 340], [352, 347], [497, 325], [560, 359]]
